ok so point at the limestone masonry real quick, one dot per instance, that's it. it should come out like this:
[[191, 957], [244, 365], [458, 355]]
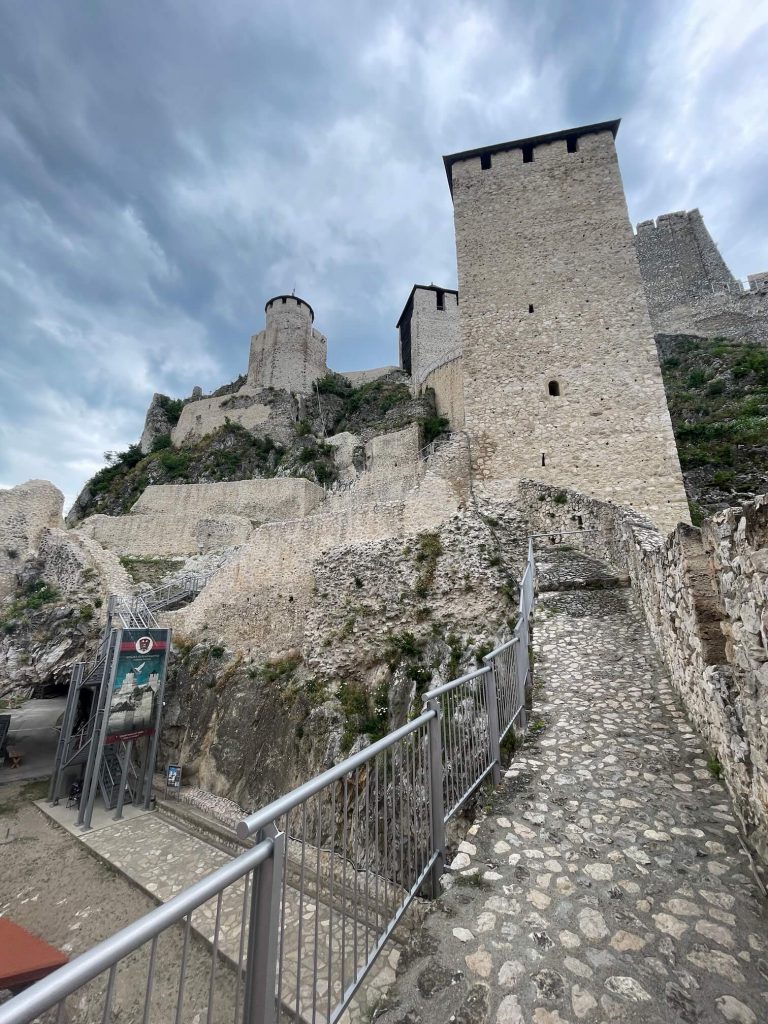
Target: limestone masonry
[[689, 288], [561, 378]]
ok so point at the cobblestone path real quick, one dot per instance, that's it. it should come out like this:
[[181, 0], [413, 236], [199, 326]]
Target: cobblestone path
[[608, 881]]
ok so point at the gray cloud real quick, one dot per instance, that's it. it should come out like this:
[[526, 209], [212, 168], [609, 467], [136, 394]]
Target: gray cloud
[[167, 167]]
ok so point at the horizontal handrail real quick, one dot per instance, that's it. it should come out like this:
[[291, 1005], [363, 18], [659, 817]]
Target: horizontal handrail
[[438, 691], [259, 819], [503, 647], [49, 991]]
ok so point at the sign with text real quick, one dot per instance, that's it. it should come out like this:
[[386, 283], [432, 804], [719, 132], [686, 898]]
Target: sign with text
[[173, 776], [141, 665]]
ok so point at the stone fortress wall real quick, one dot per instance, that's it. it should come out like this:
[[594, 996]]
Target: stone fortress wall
[[266, 411], [561, 377], [690, 289], [258, 500], [704, 593], [447, 382], [187, 519], [259, 601], [359, 377]]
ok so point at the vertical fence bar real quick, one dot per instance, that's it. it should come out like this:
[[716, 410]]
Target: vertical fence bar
[[492, 701], [260, 1004], [436, 802]]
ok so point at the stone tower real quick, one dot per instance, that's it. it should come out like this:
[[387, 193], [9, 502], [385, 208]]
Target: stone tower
[[428, 331], [289, 353], [679, 262], [561, 378]]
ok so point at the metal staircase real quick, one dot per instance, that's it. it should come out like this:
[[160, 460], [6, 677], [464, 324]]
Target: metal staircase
[[78, 747], [111, 773]]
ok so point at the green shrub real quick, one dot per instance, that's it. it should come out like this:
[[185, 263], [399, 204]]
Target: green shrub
[[696, 378], [433, 427], [172, 408], [161, 442]]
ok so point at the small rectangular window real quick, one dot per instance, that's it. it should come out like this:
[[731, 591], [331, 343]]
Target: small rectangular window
[[572, 142], [485, 161], [527, 154], [440, 300]]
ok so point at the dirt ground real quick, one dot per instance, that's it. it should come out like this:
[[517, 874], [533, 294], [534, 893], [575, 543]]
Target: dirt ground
[[52, 886]]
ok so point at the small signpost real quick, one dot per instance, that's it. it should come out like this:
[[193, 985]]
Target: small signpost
[[173, 778]]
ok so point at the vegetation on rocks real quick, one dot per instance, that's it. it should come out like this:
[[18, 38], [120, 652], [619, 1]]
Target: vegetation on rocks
[[717, 393], [234, 453], [229, 453]]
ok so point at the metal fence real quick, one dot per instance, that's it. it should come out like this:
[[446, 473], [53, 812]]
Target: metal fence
[[289, 929]]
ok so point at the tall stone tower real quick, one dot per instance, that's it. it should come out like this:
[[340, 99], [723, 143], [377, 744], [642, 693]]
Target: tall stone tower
[[561, 378], [289, 353]]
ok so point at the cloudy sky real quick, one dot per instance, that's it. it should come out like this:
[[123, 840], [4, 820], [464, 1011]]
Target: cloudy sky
[[168, 165]]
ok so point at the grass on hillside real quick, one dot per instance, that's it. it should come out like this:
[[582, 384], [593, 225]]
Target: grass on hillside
[[718, 401]]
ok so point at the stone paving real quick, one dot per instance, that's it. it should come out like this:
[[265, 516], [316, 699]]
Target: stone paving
[[607, 882]]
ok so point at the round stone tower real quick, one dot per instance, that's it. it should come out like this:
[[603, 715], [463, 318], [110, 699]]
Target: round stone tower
[[289, 353]]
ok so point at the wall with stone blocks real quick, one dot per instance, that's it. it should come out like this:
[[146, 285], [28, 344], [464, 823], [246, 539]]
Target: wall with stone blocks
[[258, 603], [740, 316], [704, 594], [447, 381], [359, 377], [689, 288], [258, 500], [263, 411], [26, 512], [551, 292], [165, 535]]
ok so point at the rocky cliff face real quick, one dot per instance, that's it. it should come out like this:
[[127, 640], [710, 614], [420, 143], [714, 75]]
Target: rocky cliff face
[[56, 612], [388, 620]]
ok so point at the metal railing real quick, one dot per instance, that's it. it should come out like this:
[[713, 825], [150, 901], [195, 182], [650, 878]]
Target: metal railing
[[292, 927]]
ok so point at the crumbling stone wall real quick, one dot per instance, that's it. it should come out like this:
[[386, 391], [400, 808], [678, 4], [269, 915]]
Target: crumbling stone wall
[[552, 300], [263, 411], [259, 500], [258, 602], [359, 377], [26, 511], [704, 594], [157, 535]]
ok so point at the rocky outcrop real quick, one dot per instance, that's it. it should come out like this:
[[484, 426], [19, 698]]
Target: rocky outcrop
[[157, 422], [379, 623], [55, 593], [26, 512]]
